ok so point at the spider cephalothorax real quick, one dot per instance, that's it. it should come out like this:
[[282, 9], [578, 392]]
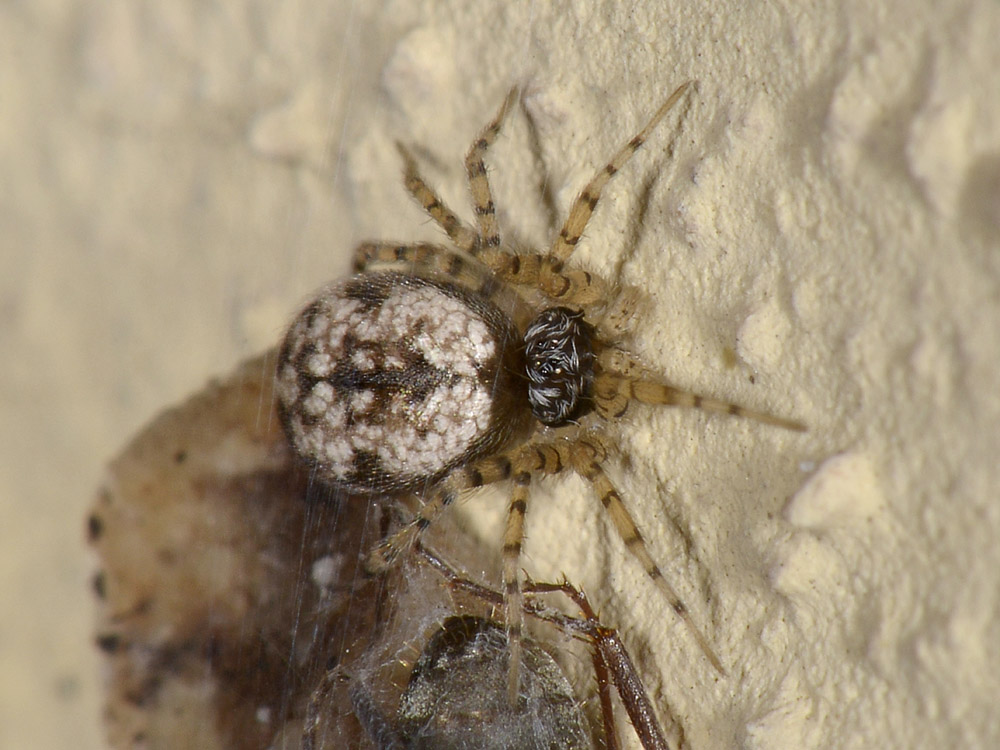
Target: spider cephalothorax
[[436, 376], [559, 363]]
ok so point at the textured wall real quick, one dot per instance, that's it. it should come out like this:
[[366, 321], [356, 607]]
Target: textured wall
[[824, 244]]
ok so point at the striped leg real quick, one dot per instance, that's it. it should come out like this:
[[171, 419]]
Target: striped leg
[[585, 456], [438, 260], [568, 286], [612, 394], [513, 538], [479, 184], [415, 255], [463, 237], [584, 205], [486, 471]]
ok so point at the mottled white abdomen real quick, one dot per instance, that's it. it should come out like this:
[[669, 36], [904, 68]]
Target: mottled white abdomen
[[387, 380]]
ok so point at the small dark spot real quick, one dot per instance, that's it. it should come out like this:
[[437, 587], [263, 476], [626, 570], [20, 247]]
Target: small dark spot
[[455, 265], [180, 456], [100, 584], [109, 643], [569, 240], [308, 315], [485, 210], [635, 540], [95, 527]]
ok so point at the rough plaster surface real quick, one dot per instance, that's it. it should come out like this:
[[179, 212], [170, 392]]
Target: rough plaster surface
[[825, 244]]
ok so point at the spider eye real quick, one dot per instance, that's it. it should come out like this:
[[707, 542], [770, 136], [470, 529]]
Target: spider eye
[[560, 369]]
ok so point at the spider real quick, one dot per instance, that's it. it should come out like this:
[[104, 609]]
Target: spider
[[455, 693], [431, 371]]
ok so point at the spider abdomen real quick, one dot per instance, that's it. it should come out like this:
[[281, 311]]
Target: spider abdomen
[[387, 380]]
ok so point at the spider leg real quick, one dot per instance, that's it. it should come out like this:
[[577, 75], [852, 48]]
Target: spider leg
[[584, 456], [415, 255], [612, 394], [513, 539], [479, 184], [518, 464], [482, 472], [568, 286], [464, 238], [421, 257], [584, 205]]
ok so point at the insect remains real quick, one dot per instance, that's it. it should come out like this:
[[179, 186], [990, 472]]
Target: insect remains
[[436, 376], [457, 696], [455, 693]]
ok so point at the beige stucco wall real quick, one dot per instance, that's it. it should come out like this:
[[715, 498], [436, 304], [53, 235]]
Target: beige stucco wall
[[824, 244]]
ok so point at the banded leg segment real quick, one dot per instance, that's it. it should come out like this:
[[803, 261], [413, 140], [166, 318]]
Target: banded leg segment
[[585, 203], [439, 260], [568, 286], [463, 237], [479, 184], [418, 254], [612, 394], [585, 456], [513, 539], [486, 471]]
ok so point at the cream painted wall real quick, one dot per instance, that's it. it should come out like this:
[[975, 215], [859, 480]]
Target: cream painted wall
[[825, 244]]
